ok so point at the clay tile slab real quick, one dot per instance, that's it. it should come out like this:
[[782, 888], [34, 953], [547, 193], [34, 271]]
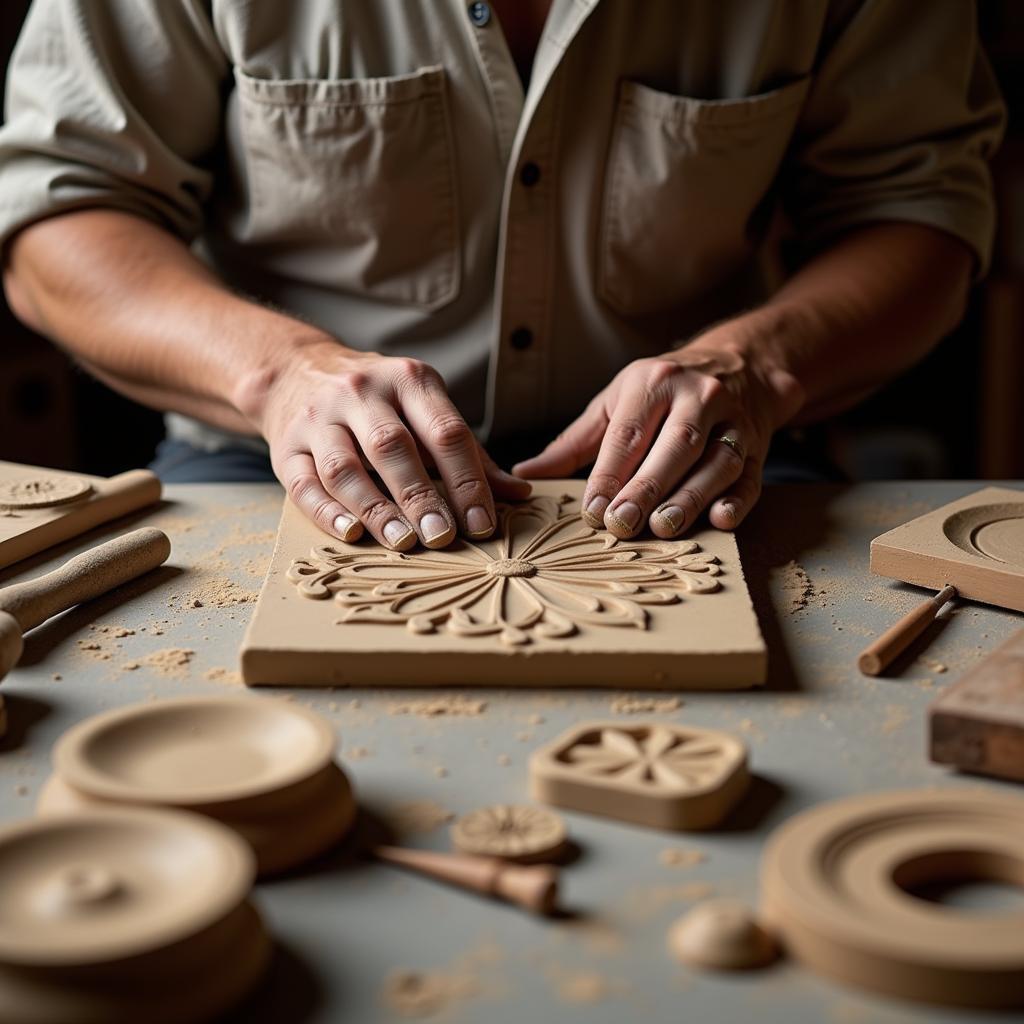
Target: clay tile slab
[[664, 776], [976, 543], [548, 601]]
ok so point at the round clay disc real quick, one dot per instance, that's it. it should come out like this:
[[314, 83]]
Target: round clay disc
[[513, 832], [101, 886], [194, 751], [721, 934], [838, 881], [42, 491], [1002, 540]]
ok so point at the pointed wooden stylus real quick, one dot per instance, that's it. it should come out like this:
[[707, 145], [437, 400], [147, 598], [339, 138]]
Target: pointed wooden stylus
[[895, 640], [533, 887]]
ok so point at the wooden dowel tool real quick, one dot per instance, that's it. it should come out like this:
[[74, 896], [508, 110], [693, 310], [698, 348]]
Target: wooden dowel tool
[[23, 606], [895, 640], [533, 887]]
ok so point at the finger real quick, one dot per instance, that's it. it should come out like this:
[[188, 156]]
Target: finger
[[679, 443], [341, 472], [574, 447], [300, 478], [720, 468], [440, 428], [391, 450], [732, 508], [504, 486], [631, 431]]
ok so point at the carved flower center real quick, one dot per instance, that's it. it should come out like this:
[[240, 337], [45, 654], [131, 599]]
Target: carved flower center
[[512, 567]]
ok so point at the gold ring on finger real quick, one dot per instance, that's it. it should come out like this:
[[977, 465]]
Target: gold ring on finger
[[733, 443]]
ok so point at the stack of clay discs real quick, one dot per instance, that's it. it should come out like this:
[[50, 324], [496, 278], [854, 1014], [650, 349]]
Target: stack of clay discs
[[263, 767], [111, 915]]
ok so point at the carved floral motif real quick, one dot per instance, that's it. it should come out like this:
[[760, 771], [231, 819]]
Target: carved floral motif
[[661, 757], [544, 576]]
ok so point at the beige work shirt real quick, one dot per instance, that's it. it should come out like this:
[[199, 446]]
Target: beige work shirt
[[376, 168]]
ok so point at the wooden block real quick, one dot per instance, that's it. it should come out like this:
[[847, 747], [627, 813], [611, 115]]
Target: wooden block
[[548, 601], [42, 507], [978, 723], [975, 543]]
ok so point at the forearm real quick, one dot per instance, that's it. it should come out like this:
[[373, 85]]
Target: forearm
[[856, 316], [140, 311]]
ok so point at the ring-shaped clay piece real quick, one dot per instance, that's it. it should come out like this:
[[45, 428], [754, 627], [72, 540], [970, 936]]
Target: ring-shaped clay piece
[[838, 881]]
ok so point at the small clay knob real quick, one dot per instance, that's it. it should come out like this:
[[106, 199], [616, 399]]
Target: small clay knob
[[722, 934]]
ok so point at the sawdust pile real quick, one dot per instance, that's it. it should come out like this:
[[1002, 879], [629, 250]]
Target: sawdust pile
[[436, 706], [627, 704]]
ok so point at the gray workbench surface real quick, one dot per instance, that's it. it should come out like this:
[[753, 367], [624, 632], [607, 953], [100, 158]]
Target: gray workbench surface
[[819, 730]]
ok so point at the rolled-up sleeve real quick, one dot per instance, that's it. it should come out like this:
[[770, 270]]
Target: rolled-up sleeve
[[899, 125], [114, 104]]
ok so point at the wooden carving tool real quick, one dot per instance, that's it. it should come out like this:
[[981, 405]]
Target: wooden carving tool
[[895, 640], [24, 606], [113, 498], [533, 887], [978, 723]]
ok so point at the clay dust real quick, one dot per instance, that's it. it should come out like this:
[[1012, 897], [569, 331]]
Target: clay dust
[[627, 704], [436, 706]]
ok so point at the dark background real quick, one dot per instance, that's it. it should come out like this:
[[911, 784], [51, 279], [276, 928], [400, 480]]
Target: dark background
[[958, 414]]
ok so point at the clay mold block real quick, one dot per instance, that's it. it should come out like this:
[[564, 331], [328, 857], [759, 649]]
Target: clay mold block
[[975, 543], [548, 601], [664, 776]]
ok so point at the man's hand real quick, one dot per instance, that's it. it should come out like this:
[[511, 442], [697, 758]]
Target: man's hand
[[673, 436], [332, 416]]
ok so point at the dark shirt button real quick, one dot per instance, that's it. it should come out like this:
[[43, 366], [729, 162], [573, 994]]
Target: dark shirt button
[[521, 338], [529, 174], [480, 14]]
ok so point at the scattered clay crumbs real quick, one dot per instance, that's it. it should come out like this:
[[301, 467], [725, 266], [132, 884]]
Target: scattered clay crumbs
[[630, 705], [172, 661], [216, 594], [425, 993], [796, 585], [674, 857], [219, 674], [438, 706]]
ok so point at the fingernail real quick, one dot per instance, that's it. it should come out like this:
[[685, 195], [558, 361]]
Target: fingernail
[[626, 516], [729, 510], [478, 521], [345, 527], [594, 512], [433, 526], [672, 516], [397, 534]]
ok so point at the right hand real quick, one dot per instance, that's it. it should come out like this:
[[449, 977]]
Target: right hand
[[332, 413]]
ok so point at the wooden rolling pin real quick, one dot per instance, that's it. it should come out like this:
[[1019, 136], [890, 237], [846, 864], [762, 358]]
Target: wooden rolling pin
[[896, 639], [533, 887], [113, 498], [24, 606]]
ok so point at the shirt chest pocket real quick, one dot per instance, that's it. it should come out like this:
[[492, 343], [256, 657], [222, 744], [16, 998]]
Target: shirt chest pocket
[[683, 186], [352, 183]]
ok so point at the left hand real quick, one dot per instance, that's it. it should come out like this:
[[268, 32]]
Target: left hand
[[657, 432]]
